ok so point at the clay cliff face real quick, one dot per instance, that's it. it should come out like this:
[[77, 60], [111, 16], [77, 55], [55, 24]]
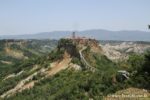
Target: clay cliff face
[[92, 43]]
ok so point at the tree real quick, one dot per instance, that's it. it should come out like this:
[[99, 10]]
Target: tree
[[146, 66]]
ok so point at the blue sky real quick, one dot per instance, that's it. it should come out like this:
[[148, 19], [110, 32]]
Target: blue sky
[[34, 16]]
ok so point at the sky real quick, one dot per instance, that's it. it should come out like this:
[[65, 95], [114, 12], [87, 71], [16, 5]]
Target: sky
[[34, 16]]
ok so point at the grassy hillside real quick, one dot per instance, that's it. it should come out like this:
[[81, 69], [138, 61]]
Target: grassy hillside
[[85, 84], [16, 52], [72, 84]]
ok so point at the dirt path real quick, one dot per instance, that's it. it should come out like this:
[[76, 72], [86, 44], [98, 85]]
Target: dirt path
[[85, 62]]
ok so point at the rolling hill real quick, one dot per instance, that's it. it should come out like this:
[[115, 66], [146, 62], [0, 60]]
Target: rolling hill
[[98, 34], [76, 69]]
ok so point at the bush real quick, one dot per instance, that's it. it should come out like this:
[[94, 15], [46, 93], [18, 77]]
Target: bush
[[76, 60]]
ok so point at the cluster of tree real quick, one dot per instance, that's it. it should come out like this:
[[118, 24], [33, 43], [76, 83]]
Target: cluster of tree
[[69, 46], [31, 49], [75, 85], [25, 66], [140, 70], [70, 85], [85, 84]]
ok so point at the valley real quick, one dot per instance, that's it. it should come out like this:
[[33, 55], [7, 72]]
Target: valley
[[122, 49], [86, 68], [74, 50]]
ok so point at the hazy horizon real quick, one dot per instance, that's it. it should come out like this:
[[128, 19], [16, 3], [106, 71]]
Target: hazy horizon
[[34, 16], [72, 31]]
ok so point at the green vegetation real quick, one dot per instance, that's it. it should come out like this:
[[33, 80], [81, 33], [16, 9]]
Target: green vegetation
[[141, 73], [76, 60], [69, 46], [76, 85], [33, 49], [71, 85]]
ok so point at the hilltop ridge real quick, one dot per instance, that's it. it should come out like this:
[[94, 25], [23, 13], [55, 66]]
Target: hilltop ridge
[[98, 34], [76, 69], [68, 54]]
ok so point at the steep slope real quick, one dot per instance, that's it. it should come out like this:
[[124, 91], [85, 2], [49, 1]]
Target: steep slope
[[76, 69], [14, 52], [119, 51], [29, 83], [27, 74], [62, 57]]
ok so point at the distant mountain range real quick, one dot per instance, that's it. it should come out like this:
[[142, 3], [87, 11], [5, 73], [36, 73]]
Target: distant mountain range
[[98, 34]]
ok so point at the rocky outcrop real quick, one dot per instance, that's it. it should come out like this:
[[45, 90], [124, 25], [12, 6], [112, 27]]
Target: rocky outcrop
[[122, 50]]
